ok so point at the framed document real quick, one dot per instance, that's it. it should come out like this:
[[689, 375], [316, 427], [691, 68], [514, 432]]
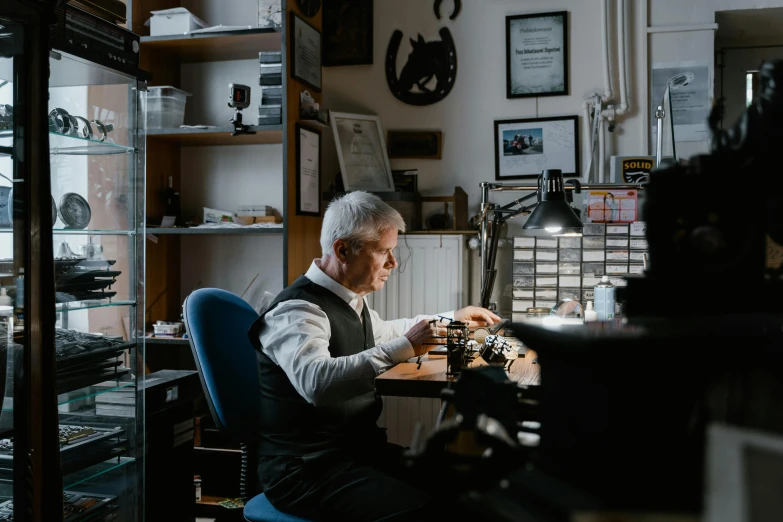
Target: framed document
[[347, 28], [537, 55], [305, 53], [361, 152], [523, 148], [308, 171]]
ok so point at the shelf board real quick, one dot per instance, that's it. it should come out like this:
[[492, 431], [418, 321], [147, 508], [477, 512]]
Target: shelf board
[[73, 306], [149, 339], [223, 45], [265, 135], [243, 231]]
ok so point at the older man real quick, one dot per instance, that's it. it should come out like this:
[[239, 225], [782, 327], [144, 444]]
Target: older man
[[322, 454]]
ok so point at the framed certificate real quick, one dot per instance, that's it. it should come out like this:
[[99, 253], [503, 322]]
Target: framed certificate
[[537, 55], [305, 53], [361, 152], [308, 171]]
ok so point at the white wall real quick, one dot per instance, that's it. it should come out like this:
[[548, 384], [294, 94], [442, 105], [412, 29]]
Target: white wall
[[466, 115]]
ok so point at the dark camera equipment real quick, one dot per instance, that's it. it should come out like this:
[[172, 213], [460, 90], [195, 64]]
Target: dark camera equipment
[[635, 401], [238, 99]]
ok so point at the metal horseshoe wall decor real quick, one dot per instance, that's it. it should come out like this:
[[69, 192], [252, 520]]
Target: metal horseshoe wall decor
[[435, 59], [454, 14]]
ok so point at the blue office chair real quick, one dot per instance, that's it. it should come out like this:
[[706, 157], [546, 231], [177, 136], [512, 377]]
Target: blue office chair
[[217, 323]]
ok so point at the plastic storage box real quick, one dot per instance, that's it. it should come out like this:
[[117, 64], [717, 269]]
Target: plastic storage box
[[165, 107], [173, 21]]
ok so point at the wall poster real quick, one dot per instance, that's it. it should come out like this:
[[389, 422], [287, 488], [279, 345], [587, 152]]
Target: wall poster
[[689, 90]]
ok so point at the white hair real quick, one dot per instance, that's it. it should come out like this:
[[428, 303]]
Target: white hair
[[357, 217]]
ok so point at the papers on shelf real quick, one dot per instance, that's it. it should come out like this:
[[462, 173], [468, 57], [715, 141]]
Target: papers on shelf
[[237, 225], [221, 28]]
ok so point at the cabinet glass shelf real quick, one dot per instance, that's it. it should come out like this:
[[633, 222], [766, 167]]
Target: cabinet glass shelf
[[87, 305], [68, 398], [82, 232], [64, 144], [93, 472]]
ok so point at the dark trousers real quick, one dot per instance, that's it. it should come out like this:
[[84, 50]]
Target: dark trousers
[[358, 485]]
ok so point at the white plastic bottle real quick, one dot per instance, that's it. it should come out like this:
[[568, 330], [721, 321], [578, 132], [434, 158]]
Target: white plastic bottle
[[590, 314], [5, 299], [605, 299]]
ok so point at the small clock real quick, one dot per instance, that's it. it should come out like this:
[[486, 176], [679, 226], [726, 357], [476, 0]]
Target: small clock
[[309, 7]]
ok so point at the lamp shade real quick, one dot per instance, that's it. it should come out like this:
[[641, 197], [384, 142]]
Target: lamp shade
[[553, 213]]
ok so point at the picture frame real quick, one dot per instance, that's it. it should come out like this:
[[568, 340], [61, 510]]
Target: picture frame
[[347, 32], [361, 152], [525, 147], [308, 171], [306, 47], [415, 144], [537, 55]]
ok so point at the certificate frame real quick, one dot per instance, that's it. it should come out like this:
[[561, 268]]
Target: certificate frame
[[305, 37], [525, 147], [348, 32], [308, 202], [361, 152], [551, 76]]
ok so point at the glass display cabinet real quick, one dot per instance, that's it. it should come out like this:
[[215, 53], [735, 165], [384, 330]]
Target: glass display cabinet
[[91, 253]]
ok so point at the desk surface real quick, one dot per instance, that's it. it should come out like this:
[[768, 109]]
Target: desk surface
[[404, 380]]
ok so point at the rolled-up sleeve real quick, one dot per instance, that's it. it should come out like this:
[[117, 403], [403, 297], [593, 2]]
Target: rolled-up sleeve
[[296, 337]]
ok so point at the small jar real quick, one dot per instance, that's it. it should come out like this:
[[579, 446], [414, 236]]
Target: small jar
[[538, 312], [197, 485]]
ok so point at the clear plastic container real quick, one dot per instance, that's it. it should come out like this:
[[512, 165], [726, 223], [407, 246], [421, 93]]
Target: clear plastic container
[[165, 107]]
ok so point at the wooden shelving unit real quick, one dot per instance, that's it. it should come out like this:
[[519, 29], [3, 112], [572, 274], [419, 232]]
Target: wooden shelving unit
[[220, 45], [264, 135]]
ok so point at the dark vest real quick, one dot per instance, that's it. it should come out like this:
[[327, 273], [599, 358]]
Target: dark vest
[[288, 424]]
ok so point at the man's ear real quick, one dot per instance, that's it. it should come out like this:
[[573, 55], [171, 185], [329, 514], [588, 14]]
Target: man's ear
[[340, 249]]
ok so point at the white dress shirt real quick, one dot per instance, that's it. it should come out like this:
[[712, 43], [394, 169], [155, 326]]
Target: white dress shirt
[[296, 336]]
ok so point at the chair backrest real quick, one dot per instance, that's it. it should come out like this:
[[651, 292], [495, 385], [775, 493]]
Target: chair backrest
[[217, 322]]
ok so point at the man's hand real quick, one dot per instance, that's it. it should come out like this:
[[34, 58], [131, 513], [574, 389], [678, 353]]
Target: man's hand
[[421, 332], [476, 316]]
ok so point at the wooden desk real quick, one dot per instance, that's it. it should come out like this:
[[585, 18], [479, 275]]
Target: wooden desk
[[404, 380]]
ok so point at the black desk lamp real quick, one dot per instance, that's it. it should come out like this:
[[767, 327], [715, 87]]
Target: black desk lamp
[[551, 214]]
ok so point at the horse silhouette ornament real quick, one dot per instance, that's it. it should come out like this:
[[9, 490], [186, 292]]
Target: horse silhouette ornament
[[435, 59]]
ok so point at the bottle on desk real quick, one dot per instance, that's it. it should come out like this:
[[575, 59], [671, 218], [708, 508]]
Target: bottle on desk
[[604, 295], [590, 313]]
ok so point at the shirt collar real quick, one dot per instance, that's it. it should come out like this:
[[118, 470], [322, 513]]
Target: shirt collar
[[317, 276]]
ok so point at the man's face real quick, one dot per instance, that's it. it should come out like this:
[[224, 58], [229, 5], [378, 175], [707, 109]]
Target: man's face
[[368, 270]]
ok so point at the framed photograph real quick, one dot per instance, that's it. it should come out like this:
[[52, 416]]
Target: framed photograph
[[347, 32], [305, 53], [308, 171], [537, 55], [361, 152], [523, 148]]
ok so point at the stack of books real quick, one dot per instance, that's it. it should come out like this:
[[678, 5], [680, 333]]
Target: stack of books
[[270, 78], [119, 402]]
